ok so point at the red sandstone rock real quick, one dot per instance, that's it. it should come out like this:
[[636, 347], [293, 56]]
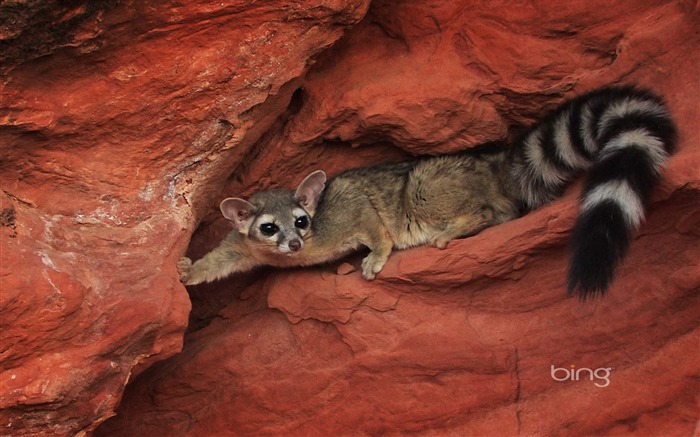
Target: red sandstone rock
[[174, 99], [427, 348], [461, 341], [119, 124]]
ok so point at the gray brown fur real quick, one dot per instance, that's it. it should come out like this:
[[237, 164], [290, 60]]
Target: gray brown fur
[[427, 201], [621, 136]]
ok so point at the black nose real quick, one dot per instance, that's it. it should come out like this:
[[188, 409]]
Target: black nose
[[295, 245]]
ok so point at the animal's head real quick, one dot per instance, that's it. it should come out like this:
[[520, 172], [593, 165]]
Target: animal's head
[[277, 220]]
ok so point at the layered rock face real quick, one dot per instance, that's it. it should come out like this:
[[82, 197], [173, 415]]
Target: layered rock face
[[123, 124], [120, 123]]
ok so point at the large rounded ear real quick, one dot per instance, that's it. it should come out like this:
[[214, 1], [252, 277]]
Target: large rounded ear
[[239, 211], [310, 189]]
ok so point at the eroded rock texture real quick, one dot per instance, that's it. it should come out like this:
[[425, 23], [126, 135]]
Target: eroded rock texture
[[121, 133], [120, 122]]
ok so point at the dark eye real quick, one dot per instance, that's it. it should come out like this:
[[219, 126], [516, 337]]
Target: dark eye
[[302, 222], [269, 229]]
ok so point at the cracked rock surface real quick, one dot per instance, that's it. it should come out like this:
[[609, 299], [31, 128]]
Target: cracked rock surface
[[123, 125]]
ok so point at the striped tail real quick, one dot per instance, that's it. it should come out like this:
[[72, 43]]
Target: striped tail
[[622, 136]]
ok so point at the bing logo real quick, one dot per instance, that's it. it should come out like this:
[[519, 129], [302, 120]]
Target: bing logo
[[601, 376]]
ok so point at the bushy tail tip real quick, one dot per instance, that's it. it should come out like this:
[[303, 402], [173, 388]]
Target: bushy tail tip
[[600, 240]]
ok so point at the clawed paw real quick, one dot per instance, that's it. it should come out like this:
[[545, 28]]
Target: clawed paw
[[183, 268], [372, 265], [441, 243]]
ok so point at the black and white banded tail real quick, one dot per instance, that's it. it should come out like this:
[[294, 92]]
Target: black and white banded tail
[[621, 136]]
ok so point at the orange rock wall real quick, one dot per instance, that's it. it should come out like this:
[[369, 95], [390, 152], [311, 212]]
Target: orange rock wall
[[123, 127], [119, 123]]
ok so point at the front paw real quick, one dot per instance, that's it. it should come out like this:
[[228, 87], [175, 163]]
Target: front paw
[[372, 265], [440, 243], [184, 266]]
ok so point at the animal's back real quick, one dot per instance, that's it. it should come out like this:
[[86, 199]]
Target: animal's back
[[417, 201]]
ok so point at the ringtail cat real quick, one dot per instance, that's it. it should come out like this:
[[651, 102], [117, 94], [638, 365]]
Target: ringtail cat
[[620, 135]]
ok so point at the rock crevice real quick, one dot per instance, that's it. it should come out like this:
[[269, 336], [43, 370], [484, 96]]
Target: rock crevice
[[123, 129]]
